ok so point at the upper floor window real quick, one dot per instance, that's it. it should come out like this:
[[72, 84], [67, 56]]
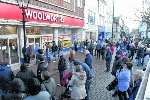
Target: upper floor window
[[69, 1], [80, 3], [91, 17]]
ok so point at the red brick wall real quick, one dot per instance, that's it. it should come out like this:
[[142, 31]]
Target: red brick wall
[[61, 6]]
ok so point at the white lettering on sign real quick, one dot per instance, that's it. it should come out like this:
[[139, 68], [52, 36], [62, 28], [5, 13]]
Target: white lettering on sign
[[38, 15], [35, 15]]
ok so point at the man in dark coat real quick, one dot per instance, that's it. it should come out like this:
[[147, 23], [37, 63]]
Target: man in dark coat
[[42, 66], [62, 65], [108, 59], [25, 73], [140, 55], [54, 49]]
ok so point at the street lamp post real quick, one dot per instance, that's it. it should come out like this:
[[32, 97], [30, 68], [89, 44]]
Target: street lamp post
[[113, 21], [23, 4]]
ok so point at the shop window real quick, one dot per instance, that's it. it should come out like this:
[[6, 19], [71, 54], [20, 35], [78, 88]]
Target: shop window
[[80, 3], [13, 51], [5, 30], [33, 31], [91, 17], [31, 40], [4, 52]]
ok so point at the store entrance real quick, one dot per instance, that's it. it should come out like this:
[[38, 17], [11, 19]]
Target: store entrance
[[34, 41], [9, 49]]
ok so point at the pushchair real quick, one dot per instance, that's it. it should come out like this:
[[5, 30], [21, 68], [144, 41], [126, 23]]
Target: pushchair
[[64, 82]]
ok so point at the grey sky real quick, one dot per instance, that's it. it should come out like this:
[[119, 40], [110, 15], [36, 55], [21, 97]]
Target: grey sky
[[127, 9]]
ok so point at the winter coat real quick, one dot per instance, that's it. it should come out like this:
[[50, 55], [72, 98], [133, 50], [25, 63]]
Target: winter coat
[[54, 48], [140, 52], [78, 86], [49, 85], [88, 71], [43, 95], [62, 64], [98, 46], [132, 50], [135, 89], [108, 56], [25, 75], [42, 66], [89, 60], [6, 73], [17, 90], [123, 78]]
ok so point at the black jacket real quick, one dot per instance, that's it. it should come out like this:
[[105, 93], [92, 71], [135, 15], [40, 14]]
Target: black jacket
[[62, 64]]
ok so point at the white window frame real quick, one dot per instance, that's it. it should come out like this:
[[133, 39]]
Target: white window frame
[[68, 1], [80, 3]]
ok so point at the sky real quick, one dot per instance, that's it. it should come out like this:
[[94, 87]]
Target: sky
[[128, 9]]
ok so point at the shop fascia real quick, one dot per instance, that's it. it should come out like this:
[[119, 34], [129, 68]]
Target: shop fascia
[[44, 16]]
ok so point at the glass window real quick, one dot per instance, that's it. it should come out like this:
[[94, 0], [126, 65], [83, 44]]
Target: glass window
[[13, 51], [4, 53], [91, 17], [5, 30], [31, 40], [79, 3], [67, 1]]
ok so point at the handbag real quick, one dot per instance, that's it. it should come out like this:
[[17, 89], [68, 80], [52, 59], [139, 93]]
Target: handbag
[[112, 85]]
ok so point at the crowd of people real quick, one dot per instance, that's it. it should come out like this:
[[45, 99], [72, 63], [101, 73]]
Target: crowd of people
[[50, 51], [127, 53], [76, 75], [26, 85]]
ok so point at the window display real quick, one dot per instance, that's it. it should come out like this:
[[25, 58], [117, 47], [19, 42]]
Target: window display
[[13, 51], [4, 53]]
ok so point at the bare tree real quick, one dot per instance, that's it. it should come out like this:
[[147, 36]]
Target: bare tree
[[146, 19]]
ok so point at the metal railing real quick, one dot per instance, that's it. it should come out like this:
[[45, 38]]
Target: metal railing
[[143, 86]]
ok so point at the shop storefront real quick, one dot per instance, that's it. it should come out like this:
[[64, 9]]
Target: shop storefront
[[42, 27], [39, 36], [9, 47]]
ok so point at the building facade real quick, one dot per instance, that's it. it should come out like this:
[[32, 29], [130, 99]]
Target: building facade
[[91, 20], [46, 21], [98, 19], [108, 19]]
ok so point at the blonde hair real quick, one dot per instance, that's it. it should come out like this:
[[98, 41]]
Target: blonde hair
[[138, 74], [72, 54]]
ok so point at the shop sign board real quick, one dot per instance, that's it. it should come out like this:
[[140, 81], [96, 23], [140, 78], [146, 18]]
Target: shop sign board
[[44, 16], [13, 12]]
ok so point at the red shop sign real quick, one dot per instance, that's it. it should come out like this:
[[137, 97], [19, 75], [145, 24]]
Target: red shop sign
[[37, 15], [13, 12]]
